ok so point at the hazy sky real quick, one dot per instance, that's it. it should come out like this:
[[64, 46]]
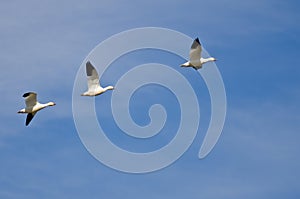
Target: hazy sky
[[43, 44]]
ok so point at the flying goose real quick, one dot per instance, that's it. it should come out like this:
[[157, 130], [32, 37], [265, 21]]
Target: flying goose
[[196, 61], [94, 87], [32, 106]]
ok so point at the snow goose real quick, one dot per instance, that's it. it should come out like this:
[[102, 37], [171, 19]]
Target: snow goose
[[32, 106], [196, 61], [94, 87]]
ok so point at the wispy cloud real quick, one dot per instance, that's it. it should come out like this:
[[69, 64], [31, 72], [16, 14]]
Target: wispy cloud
[[43, 45]]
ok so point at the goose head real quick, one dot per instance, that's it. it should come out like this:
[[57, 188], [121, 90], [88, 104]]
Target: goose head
[[51, 104], [213, 59], [109, 88]]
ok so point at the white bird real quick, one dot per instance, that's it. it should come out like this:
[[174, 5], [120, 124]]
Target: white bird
[[32, 106], [94, 87], [196, 61]]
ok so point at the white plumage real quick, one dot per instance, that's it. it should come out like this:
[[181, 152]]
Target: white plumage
[[32, 106], [94, 87], [196, 61]]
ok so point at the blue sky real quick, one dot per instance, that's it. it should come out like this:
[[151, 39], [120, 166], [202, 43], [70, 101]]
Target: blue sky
[[257, 45]]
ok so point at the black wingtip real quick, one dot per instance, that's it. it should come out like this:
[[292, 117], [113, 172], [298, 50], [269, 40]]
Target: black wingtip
[[29, 118], [197, 40], [27, 94], [89, 68]]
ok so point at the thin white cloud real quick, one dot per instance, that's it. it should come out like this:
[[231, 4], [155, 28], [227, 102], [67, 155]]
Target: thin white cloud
[[42, 46]]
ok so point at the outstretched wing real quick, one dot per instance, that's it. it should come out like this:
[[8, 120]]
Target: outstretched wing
[[92, 75], [195, 52], [29, 118], [30, 99]]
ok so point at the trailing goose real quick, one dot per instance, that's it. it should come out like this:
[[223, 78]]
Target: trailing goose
[[32, 106]]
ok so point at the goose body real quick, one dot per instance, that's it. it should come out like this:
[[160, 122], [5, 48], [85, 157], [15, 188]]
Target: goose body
[[196, 61], [94, 87], [32, 106]]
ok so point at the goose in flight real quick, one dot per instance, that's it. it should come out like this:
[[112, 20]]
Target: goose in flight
[[196, 61], [32, 106], [94, 87]]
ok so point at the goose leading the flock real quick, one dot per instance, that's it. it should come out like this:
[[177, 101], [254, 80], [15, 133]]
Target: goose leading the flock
[[32, 106], [94, 87], [196, 61]]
